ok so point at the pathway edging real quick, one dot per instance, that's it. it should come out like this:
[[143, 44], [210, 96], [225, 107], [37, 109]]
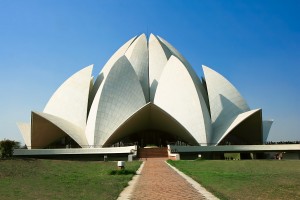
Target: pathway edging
[[206, 194], [127, 192]]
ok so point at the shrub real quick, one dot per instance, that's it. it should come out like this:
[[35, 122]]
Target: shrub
[[199, 159], [7, 148], [121, 172]]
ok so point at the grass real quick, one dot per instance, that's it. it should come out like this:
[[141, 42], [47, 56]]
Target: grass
[[246, 179], [56, 179]]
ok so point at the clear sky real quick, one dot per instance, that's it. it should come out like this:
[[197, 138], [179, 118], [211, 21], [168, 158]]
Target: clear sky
[[255, 44]]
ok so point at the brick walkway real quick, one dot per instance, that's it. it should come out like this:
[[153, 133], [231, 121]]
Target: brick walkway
[[159, 181]]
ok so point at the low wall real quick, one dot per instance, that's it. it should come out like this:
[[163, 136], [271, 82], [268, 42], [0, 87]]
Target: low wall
[[108, 154], [290, 151]]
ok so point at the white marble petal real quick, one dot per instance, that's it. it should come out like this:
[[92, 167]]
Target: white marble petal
[[158, 57], [177, 95], [226, 103], [117, 99], [238, 119], [218, 85], [70, 100], [44, 132], [266, 128], [25, 129], [90, 130], [107, 67], [190, 69], [137, 55]]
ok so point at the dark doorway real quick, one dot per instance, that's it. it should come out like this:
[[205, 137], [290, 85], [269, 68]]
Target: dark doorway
[[152, 138]]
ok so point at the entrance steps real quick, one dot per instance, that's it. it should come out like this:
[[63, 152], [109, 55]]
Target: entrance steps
[[158, 152]]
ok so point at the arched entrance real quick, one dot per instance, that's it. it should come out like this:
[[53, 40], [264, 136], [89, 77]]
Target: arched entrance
[[151, 125], [152, 138]]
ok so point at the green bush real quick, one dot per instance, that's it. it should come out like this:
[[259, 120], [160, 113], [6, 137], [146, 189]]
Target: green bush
[[7, 148], [121, 172]]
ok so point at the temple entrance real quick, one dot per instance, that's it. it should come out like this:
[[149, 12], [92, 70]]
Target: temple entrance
[[151, 126], [152, 138]]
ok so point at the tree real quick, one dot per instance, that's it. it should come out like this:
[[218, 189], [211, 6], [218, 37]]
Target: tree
[[7, 148]]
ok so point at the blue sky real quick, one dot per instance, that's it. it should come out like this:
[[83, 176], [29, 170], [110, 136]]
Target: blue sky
[[253, 43]]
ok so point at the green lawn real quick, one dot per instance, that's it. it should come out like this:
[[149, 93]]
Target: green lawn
[[53, 179], [246, 179]]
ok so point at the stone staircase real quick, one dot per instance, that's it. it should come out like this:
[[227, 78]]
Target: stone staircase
[[160, 152]]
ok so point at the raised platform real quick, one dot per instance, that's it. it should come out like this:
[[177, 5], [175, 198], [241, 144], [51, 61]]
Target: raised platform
[[109, 150], [235, 148], [123, 152], [110, 153]]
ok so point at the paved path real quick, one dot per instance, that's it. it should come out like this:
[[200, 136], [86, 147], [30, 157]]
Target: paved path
[[159, 181]]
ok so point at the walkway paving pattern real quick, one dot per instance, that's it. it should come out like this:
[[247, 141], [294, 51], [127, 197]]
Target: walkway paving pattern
[[159, 181]]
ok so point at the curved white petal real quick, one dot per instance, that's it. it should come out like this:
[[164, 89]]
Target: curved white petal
[[224, 131], [177, 95], [117, 55], [92, 118], [70, 100], [117, 99], [107, 67], [193, 74], [158, 57], [47, 128], [137, 55], [25, 129], [225, 101], [217, 85], [266, 128]]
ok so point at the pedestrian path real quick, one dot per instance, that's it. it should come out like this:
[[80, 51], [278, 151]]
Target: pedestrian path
[[159, 181]]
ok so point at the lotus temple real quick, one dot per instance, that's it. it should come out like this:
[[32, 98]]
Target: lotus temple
[[147, 94]]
